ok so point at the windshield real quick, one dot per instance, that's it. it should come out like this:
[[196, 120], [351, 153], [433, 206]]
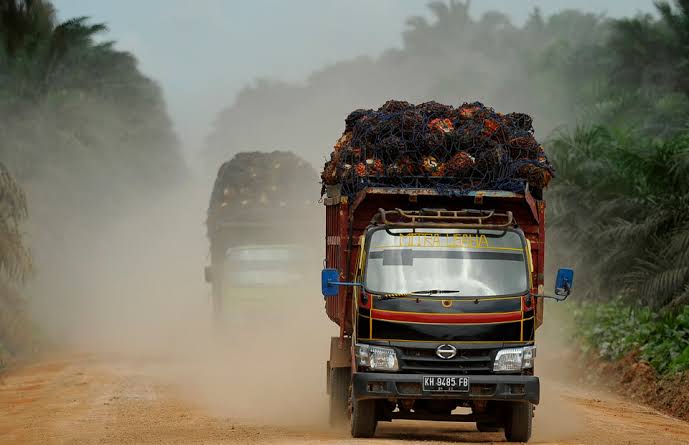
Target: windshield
[[262, 265], [462, 262]]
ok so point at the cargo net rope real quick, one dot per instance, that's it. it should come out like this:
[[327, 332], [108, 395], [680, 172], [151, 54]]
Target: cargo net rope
[[454, 150]]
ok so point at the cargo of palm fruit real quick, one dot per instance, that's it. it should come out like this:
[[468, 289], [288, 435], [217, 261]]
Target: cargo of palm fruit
[[255, 180], [455, 150]]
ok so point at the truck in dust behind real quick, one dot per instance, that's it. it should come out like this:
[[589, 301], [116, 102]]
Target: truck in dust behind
[[259, 220]]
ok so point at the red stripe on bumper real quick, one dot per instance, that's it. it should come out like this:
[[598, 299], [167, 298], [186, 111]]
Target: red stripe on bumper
[[446, 318]]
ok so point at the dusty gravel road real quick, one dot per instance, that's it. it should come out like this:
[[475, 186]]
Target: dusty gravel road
[[87, 401]]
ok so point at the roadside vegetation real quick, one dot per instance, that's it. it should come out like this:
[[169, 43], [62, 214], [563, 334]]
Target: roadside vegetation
[[85, 136], [15, 266], [76, 110], [616, 330], [621, 204]]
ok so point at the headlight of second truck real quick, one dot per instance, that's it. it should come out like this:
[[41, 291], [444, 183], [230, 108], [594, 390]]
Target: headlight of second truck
[[514, 359], [376, 358]]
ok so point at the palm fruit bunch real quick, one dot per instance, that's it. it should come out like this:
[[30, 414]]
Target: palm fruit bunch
[[258, 179], [470, 147]]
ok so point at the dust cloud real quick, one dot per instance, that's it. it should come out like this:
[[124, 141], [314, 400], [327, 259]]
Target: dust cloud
[[556, 417], [135, 295], [130, 290]]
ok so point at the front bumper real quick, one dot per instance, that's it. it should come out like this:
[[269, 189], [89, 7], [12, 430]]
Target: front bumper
[[376, 385]]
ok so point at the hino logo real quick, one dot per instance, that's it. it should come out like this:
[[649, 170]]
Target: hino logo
[[446, 352]]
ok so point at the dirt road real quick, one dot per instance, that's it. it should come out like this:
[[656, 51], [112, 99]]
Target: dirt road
[[88, 401]]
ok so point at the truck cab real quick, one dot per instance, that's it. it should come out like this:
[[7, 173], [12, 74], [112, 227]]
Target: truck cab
[[445, 302]]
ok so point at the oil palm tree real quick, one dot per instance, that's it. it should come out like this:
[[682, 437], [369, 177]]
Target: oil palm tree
[[622, 204], [15, 260], [55, 78], [651, 52]]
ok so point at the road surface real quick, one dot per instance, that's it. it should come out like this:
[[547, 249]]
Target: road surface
[[84, 400]]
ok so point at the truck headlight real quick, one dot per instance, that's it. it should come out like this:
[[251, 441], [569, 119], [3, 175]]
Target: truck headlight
[[376, 358], [514, 359]]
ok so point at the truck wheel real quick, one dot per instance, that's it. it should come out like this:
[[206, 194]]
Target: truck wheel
[[518, 421], [339, 394], [364, 419], [488, 427]]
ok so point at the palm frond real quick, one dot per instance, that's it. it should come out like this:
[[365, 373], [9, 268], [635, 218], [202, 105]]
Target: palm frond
[[665, 285]]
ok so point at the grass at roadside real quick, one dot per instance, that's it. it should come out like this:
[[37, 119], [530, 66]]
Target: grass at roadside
[[613, 330]]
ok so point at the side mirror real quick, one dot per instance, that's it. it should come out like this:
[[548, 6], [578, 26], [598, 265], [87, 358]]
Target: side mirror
[[329, 279], [564, 282], [208, 274], [330, 283]]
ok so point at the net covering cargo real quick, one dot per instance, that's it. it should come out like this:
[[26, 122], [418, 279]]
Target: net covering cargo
[[252, 180], [452, 149]]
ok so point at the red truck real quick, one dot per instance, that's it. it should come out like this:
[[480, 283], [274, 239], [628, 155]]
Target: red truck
[[438, 296]]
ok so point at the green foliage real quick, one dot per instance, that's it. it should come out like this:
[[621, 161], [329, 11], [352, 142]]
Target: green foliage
[[83, 131], [651, 53], [15, 265], [76, 111], [622, 205], [643, 73], [15, 260], [621, 202], [615, 329]]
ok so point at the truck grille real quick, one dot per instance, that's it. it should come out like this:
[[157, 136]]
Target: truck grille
[[425, 361]]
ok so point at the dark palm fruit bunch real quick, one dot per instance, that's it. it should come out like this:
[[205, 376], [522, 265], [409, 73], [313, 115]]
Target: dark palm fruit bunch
[[354, 117], [404, 166], [434, 110], [395, 106], [459, 163], [522, 145], [365, 129], [468, 110], [441, 125], [520, 121], [391, 146], [412, 124], [537, 176], [430, 142], [329, 173], [490, 157]]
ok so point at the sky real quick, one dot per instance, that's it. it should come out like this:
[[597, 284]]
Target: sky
[[203, 52]]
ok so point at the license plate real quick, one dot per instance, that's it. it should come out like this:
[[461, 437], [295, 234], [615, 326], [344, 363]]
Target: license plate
[[445, 383]]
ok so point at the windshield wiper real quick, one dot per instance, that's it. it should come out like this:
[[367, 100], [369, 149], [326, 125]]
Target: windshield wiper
[[434, 292], [417, 292]]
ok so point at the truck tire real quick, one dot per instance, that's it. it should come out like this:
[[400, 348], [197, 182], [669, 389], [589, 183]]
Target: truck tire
[[518, 421], [340, 379], [364, 419]]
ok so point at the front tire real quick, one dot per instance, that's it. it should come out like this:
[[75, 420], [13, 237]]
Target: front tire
[[518, 421], [340, 379], [364, 419]]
